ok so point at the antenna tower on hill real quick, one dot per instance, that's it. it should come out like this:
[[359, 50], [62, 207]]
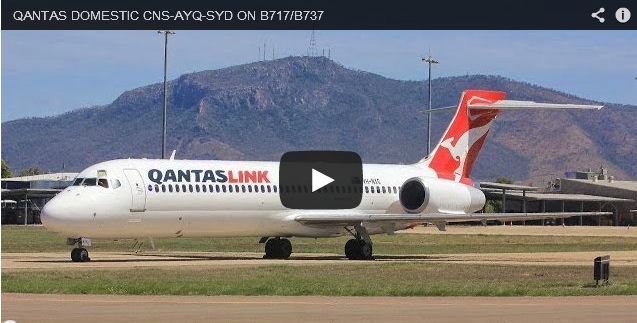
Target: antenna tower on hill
[[311, 50]]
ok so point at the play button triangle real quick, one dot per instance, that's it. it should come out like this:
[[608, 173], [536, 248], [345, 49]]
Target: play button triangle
[[319, 180]]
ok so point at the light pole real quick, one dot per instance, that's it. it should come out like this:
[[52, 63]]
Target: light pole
[[163, 138], [429, 60]]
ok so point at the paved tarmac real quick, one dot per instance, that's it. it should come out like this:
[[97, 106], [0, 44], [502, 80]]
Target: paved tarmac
[[118, 308]]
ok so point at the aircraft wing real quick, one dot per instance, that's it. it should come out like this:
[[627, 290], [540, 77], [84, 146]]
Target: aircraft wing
[[347, 219]]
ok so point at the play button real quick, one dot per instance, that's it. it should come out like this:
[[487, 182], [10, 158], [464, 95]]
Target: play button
[[320, 180]]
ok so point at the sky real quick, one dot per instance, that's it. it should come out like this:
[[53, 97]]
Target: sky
[[47, 73]]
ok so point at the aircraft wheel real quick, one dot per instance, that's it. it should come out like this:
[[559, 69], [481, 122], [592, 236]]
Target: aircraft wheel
[[365, 251], [75, 254], [285, 249], [351, 249], [83, 255], [271, 248]]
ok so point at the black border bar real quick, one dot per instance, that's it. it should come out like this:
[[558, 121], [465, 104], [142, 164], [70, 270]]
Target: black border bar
[[313, 14]]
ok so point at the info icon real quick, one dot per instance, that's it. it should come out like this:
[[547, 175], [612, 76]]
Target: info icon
[[320, 179]]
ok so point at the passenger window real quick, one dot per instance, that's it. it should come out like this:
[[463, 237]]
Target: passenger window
[[236, 188], [367, 189], [203, 188], [190, 188], [230, 188], [170, 188], [378, 189], [156, 188], [163, 188], [372, 189], [275, 188], [249, 188], [383, 189], [263, 189], [218, 190], [183, 186], [223, 187], [197, 188], [177, 188], [103, 182], [395, 190]]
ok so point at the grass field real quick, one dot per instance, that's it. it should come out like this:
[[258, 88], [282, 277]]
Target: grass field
[[404, 278], [38, 239], [372, 279]]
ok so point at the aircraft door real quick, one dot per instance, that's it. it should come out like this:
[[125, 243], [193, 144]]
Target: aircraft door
[[138, 193]]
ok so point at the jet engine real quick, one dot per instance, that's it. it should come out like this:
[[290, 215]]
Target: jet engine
[[434, 195]]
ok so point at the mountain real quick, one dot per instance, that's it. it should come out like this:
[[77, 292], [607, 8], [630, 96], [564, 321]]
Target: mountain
[[258, 111]]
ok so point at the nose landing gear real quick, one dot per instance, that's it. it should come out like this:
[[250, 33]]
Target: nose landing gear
[[79, 254]]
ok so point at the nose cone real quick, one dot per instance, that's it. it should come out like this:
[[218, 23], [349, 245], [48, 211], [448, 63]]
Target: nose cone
[[54, 214]]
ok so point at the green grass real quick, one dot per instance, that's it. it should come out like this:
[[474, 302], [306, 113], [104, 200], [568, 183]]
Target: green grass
[[38, 239], [373, 279]]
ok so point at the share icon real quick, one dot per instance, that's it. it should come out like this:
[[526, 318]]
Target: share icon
[[596, 15]]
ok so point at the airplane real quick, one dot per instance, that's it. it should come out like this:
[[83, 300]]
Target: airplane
[[138, 198]]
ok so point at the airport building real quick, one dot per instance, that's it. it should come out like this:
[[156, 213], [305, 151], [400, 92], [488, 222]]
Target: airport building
[[587, 191], [23, 197]]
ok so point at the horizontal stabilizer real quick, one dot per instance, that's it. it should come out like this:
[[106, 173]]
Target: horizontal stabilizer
[[514, 105]]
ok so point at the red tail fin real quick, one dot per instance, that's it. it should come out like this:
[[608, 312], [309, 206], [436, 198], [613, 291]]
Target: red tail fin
[[454, 156]]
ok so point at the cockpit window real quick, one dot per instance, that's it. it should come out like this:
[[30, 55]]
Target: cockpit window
[[89, 182], [115, 183], [78, 181], [102, 182]]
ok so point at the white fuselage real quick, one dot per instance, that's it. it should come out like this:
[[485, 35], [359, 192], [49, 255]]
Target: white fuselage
[[175, 198]]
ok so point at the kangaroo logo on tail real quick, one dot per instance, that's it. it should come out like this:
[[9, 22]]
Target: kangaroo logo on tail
[[458, 149]]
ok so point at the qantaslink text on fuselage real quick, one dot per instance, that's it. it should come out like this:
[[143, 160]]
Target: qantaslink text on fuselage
[[207, 176]]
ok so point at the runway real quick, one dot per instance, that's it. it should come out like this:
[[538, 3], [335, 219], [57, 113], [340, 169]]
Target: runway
[[119, 308]]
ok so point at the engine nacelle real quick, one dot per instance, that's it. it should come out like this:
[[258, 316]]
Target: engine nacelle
[[434, 195]]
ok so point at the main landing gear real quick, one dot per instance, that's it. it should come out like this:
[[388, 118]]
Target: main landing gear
[[277, 248], [359, 248], [79, 253]]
